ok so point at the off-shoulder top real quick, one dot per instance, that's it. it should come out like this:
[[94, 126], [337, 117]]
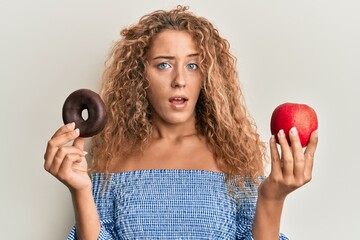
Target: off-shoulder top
[[172, 204]]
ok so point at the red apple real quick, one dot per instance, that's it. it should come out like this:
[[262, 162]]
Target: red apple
[[289, 115]]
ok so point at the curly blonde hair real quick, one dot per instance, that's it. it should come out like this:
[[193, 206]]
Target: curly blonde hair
[[221, 115]]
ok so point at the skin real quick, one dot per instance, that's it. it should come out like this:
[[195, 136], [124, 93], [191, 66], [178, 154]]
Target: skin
[[172, 69], [291, 168], [68, 164]]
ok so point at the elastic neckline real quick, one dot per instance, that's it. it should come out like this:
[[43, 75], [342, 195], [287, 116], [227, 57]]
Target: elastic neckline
[[209, 172]]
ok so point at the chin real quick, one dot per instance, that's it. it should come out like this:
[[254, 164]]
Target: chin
[[179, 118], [176, 121]]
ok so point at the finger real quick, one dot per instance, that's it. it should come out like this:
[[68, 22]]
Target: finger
[[61, 155], [66, 167], [63, 129], [65, 137], [286, 155], [79, 143], [309, 155], [275, 158], [58, 141], [298, 155], [51, 144]]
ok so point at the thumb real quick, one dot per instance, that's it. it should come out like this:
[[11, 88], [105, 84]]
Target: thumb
[[79, 143]]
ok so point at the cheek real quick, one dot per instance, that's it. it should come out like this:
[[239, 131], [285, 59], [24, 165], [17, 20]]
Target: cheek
[[150, 96], [197, 87], [154, 94]]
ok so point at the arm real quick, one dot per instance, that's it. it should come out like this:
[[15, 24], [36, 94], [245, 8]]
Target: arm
[[103, 196], [289, 170], [86, 216], [68, 164]]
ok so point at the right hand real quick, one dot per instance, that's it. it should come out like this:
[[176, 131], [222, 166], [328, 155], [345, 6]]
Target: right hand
[[68, 163]]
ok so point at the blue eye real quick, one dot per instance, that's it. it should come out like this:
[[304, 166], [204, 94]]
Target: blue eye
[[192, 66], [163, 65]]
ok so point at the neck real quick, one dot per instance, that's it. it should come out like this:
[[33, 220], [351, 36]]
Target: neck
[[173, 132]]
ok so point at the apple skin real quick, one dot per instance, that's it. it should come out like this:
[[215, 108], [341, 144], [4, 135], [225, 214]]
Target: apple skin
[[301, 116]]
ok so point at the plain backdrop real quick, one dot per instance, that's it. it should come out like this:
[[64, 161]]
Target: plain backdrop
[[288, 51]]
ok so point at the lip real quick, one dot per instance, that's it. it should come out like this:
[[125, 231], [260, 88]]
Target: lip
[[178, 96], [178, 106]]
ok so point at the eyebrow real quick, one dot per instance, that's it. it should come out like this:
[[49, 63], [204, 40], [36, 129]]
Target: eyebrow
[[172, 57]]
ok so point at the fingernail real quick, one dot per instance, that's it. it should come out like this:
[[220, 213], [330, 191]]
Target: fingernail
[[294, 131], [77, 131], [85, 153], [281, 133], [71, 125]]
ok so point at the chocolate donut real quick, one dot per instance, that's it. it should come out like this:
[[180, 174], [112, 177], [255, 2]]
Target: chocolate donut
[[80, 100]]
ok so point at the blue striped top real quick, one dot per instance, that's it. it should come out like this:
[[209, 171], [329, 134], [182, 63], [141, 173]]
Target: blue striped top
[[172, 204]]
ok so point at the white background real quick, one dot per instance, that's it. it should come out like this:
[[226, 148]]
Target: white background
[[288, 51]]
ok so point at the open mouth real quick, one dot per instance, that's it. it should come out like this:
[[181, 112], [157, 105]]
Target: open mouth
[[178, 100]]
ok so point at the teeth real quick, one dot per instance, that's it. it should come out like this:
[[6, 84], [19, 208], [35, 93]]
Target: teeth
[[178, 99]]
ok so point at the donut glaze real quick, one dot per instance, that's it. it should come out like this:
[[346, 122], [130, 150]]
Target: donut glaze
[[80, 100]]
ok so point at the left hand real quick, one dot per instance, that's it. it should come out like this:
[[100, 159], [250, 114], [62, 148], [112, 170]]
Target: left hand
[[289, 170]]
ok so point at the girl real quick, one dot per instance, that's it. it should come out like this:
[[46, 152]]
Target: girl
[[179, 157]]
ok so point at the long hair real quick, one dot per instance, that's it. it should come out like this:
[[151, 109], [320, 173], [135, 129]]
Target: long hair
[[221, 115]]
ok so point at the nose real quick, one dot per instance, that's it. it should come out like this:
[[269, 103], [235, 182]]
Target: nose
[[178, 79]]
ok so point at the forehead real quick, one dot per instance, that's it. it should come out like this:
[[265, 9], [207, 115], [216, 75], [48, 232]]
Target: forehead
[[173, 42]]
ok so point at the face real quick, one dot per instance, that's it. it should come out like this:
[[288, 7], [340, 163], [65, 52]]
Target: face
[[174, 77]]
